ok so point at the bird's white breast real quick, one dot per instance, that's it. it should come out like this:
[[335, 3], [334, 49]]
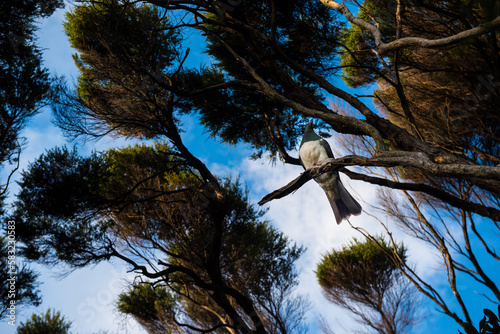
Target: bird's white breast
[[311, 152]]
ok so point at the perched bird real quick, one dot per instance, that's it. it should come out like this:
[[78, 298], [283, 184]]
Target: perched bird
[[313, 149]]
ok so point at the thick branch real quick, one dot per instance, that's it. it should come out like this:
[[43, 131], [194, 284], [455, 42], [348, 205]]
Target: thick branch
[[421, 161], [383, 48], [406, 159], [269, 91], [440, 194]]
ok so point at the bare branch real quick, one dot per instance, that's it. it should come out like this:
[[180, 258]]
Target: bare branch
[[12, 172], [410, 273]]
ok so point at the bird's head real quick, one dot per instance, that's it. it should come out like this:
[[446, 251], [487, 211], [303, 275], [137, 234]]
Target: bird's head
[[309, 126]]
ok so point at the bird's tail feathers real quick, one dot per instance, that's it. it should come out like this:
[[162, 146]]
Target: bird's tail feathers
[[351, 204], [335, 207], [343, 204]]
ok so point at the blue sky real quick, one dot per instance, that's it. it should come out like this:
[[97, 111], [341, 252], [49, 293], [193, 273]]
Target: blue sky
[[86, 296]]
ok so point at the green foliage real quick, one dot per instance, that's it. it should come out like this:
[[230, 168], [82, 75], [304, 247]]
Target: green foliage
[[136, 34], [144, 299], [147, 304], [149, 198], [125, 49], [366, 263], [50, 322], [65, 199], [255, 258], [239, 116], [60, 193], [364, 278], [54, 180], [24, 83], [360, 271], [127, 165], [258, 257], [359, 61], [488, 325], [304, 32]]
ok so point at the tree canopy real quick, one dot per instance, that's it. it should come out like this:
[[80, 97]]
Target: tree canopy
[[145, 203], [24, 88], [50, 322], [207, 258], [364, 278], [23, 80]]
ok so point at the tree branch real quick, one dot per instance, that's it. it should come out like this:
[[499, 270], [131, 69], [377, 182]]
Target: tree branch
[[383, 48], [269, 91], [405, 159], [440, 194], [12, 172]]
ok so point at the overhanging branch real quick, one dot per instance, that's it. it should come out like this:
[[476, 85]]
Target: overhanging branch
[[479, 209], [405, 159]]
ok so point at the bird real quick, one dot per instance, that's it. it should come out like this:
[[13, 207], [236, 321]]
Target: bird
[[314, 149]]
